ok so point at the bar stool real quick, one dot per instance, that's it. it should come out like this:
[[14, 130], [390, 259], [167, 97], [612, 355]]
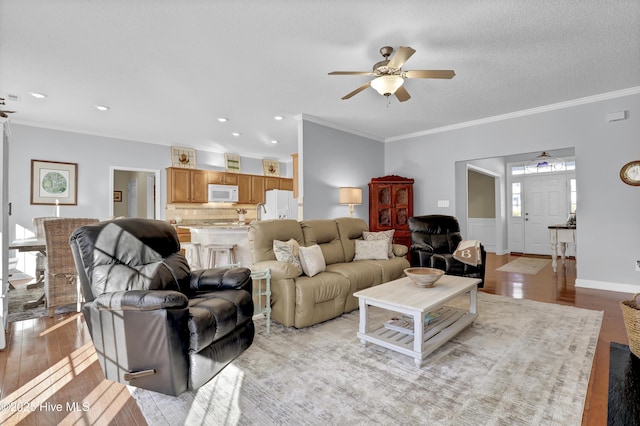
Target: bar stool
[[212, 251], [192, 253]]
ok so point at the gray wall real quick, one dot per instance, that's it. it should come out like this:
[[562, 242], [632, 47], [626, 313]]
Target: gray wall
[[331, 159], [608, 226]]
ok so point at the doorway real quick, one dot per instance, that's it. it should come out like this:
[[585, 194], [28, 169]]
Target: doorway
[[507, 231], [135, 192]]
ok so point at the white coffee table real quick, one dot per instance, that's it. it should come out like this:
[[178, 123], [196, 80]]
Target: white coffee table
[[403, 297]]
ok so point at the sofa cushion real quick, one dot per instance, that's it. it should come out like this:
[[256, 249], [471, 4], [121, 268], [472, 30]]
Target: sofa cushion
[[369, 250], [262, 233], [324, 232], [312, 260], [360, 274], [350, 230], [392, 269], [382, 235], [319, 298], [288, 251]]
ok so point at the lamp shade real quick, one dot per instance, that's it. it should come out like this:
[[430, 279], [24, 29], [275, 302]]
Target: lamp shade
[[387, 84], [350, 195]]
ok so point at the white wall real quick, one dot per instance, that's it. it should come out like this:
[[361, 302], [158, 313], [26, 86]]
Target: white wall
[[608, 225], [331, 159]]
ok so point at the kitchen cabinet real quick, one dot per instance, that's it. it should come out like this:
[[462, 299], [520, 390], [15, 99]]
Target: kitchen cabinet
[[186, 185], [271, 183], [391, 206], [251, 189], [222, 178], [190, 185], [286, 184]]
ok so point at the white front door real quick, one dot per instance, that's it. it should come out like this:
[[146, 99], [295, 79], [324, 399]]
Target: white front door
[[545, 203]]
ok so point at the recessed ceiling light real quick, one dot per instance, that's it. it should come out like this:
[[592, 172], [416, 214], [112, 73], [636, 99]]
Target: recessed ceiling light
[[274, 141], [223, 119], [236, 133], [38, 95], [102, 107], [278, 117]]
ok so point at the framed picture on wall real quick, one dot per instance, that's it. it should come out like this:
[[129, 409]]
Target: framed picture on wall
[[117, 196], [232, 163], [183, 157], [54, 183], [271, 167]]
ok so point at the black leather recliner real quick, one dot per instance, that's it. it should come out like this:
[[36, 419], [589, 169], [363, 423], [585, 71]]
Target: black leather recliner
[[154, 323], [434, 239]]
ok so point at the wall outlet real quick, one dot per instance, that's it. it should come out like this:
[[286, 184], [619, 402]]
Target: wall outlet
[[637, 265]]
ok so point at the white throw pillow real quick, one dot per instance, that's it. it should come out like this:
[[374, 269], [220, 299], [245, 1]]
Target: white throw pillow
[[288, 251], [382, 235], [371, 250], [312, 260]]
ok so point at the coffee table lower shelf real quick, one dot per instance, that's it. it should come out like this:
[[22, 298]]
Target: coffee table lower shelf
[[436, 333]]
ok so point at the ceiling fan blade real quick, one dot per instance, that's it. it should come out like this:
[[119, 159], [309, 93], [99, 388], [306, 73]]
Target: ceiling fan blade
[[358, 90], [350, 73], [402, 94], [430, 74], [401, 56]]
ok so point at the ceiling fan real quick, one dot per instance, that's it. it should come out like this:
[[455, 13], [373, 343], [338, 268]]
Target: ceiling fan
[[390, 76], [4, 112]]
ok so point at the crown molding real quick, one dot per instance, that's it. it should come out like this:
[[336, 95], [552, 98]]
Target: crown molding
[[522, 113], [316, 120]]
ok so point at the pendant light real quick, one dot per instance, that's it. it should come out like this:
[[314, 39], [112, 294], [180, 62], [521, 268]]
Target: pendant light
[[544, 163]]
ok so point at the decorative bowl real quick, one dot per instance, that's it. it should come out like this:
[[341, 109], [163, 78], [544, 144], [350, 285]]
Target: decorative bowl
[[424, 277]]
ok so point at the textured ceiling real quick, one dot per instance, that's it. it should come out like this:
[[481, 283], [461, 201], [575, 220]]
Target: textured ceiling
[[167, 69]]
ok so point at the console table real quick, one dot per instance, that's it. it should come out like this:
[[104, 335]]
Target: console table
[[562, 234]]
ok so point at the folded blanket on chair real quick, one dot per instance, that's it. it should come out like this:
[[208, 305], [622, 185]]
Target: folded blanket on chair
[[468, 251]]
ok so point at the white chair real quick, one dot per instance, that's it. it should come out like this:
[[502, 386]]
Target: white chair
[[192, 251], [213, 250]]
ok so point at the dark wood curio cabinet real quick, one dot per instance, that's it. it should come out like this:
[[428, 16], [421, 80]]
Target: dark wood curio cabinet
[[391, 206]]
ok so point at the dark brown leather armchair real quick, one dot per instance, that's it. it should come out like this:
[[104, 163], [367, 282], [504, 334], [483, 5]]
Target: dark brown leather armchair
[[156, 324], [434, 239]]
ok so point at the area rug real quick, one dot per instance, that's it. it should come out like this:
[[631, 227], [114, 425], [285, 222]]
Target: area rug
[[19, 295], [16, 275], [624, 387], [525, 265], [521, 363]]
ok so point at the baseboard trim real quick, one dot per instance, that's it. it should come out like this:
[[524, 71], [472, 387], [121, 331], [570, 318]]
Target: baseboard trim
[[608, 286]]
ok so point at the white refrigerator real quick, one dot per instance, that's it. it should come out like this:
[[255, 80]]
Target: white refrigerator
[[280, 205]]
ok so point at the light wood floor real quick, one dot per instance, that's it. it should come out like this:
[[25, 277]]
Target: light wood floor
[[51, 361]]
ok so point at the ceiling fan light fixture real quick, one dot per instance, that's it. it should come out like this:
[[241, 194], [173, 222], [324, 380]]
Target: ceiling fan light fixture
[[387, 84]]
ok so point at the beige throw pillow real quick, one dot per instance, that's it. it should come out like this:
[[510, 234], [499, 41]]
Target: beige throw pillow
[[288, 251], [371, 250], [382, 235], [312, 260]]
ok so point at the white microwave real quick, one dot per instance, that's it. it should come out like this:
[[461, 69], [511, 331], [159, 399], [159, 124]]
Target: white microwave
[[222, 193]]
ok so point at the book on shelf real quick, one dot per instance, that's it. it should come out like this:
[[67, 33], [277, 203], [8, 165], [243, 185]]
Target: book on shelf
[[404, 324]]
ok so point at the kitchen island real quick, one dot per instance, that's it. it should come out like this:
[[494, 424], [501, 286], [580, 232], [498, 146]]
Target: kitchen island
[[223, 233]]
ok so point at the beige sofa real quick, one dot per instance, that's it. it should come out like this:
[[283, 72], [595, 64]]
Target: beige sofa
[[299, 300]]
